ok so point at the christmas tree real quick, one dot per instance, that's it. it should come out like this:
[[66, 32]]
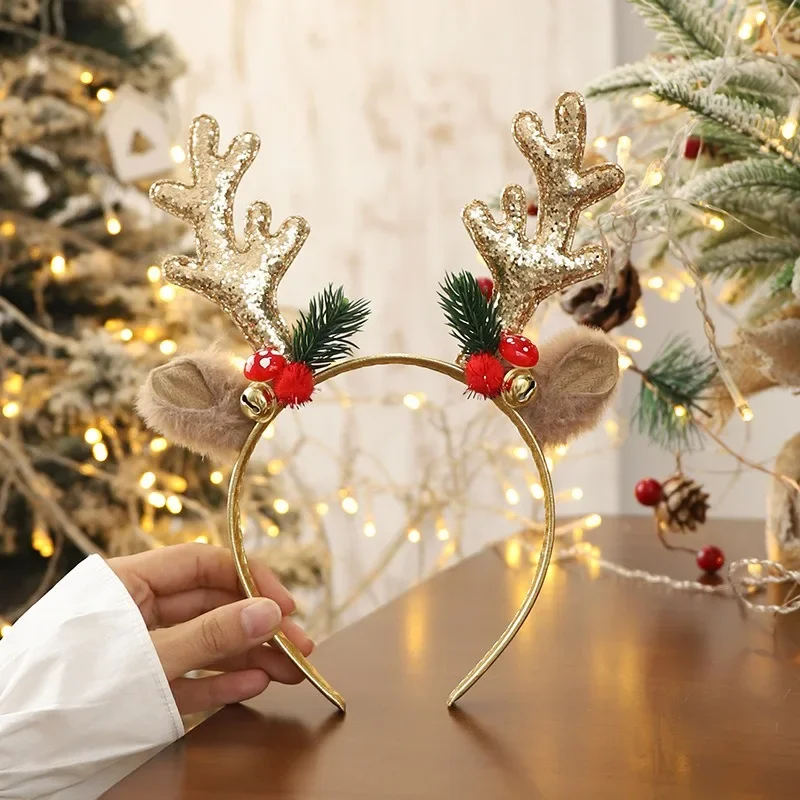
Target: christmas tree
[[84, 314], [708, 136]]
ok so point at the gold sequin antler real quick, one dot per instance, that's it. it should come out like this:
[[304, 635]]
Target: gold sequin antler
[[243, 282], [527, 271]]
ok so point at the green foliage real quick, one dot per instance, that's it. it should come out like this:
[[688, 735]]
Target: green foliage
[[768, 180], [473, 320], [690, 28], [677, 377], [758, 257], [632, 79], [324, 334]]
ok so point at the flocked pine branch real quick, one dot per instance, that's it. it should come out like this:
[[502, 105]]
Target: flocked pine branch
[[770, 180], [676, 380], [691, 28], [759, 257], [633, 78], [746, 120]]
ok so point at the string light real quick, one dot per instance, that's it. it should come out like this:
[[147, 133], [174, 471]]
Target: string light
[[13, 383], [349, 504], [624, 361], [654, 175], [561, 450], [177, 154], [593, 521], [167, 293], [745, 412], [274, 466], [714, 222], [623, 150], [414, 535], [600, 142], [280, 505], [634, 345], [577, 493], [148, 480], [11, 409], [159, 444], [512, 496], [8, 228], [640, 320], [273, 531], [656, 282], [442, 534], [519, 452], [104, 94], [100, 452], [536, 491], [58, 264], [201, 539], [414, 401], [679, 411], [760, 17], [156, 499], [168, 347], [745, 30], [216, 477], [174, 504], [126, 334], [322, 509], [86, 77], [113, 225], [154, 273], [789, 128], [369, 529], [92, 436]]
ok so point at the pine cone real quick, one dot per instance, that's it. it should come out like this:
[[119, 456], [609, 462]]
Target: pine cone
[[588, 307], [683, 506]]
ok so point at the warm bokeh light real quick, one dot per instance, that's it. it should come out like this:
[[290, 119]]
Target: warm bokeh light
[[100, 452], [113, 226], [92, 436], [148, 480], [280, 505], [216, 477], [159, 444], [414, 535]]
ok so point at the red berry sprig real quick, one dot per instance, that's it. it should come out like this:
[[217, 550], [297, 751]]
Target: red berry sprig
[[486, 285], [710, 559]]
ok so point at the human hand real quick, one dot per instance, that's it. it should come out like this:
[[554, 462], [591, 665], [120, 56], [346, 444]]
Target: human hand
[[190, 600]]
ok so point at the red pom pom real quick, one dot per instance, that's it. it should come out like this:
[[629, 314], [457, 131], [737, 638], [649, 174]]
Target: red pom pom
[[484, 374], [648, 492], [518, 350], [264, 365], [710, 558], [295, 384], [692, 147], [486, 285]]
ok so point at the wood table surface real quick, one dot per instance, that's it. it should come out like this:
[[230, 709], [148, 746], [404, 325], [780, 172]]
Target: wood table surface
[[612, 689]]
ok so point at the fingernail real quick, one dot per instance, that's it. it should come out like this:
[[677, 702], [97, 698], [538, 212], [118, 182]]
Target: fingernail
[[261, 618]]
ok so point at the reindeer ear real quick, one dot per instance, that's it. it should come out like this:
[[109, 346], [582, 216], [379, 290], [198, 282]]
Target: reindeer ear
[[577, 375], [194, 401]]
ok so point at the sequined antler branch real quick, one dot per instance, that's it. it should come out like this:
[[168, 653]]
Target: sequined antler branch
[[243, 282], [527, 271]]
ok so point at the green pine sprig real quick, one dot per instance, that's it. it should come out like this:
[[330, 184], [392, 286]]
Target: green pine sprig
[[324, 334], [676, 379], [473, 320]]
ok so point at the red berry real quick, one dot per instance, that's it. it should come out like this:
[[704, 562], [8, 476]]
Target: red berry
[[648, 492], [264, 365], [692, 147], [518, 350], [710, 558], [533, 208], [484, 374], [486, 285], [294, 385]]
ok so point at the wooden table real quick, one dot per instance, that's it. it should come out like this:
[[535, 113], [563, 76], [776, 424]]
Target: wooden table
[[613, 689]]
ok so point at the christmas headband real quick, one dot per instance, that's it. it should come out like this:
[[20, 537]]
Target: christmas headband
[[202, 402]]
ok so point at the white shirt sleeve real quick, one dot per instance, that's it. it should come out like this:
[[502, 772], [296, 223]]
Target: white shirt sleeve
[[83, 697]]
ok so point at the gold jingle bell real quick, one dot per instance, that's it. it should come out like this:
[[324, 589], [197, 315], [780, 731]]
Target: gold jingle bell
[[258, 402], [519, 387]]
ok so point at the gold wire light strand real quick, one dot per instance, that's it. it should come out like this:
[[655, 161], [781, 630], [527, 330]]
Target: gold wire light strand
[[246, 576]]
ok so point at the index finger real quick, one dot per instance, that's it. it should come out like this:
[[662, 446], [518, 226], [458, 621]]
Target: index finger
[[181, 567]]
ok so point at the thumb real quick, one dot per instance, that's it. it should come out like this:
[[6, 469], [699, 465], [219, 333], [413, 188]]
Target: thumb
[[229, 630]]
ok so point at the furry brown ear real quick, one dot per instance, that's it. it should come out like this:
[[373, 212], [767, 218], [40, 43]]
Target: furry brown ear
[[194, 401], [576, 376]]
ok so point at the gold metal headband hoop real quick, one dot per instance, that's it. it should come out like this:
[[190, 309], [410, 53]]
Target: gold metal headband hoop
[[246, 576]]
